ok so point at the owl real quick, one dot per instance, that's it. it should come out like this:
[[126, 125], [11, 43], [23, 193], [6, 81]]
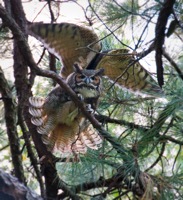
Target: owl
[[62, 125]]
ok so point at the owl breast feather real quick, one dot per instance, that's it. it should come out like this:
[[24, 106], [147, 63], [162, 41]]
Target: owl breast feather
[[87, 92]]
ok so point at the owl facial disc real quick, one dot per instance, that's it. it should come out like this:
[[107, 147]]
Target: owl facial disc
[[86, 82]]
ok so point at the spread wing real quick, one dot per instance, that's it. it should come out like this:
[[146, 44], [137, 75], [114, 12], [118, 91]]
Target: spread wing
[[69, 42], [123, 69], [72, 43]]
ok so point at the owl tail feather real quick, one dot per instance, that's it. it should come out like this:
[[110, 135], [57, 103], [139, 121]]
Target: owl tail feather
[[60, 137], [35, 110], [39, 118], [63, 139], [91, 138], [36, 102], [68, 142]]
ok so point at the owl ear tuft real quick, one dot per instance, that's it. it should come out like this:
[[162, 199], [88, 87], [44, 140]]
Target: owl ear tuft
[[100, 72], [77, 68]]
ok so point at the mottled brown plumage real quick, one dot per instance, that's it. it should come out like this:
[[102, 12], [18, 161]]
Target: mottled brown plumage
[[72, 43], [69, 42], [57, 118], [123, 69], [61, 124]]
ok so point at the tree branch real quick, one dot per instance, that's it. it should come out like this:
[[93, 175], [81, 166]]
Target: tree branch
[[31, 155], [165, 12], [172, 62], [106, 119], [10, 118], [12, 189]]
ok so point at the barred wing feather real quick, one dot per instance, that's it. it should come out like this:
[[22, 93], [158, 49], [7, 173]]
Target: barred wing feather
[[122, 68], [69, 42]]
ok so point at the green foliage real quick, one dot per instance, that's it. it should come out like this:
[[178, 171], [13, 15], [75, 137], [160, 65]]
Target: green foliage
[[141, 154], [5, 43], [119, 12]]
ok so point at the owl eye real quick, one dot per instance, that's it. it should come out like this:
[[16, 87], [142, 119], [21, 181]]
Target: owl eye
[[95, 78], [80, 76]]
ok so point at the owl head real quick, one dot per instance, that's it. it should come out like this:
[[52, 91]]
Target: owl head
[[85, 82]]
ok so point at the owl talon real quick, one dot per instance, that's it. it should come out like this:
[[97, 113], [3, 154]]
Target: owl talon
[[80, 96], [89, 109]]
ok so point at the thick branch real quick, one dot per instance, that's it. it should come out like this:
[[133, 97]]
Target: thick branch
[[22, 85], [165, 12], [12, 189], [23, 88], [10, 118], [106, 119]]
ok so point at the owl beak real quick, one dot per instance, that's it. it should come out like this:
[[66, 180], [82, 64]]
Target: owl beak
[[87, 80]]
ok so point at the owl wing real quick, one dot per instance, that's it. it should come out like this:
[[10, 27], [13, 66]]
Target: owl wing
[[43, 111], [69, 42], [121, 67]]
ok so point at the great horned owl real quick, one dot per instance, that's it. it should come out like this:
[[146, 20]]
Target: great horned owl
[[58, 119]]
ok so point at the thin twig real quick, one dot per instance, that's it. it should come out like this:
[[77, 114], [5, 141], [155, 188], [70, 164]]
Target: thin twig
[[172, 62], [111, 32], [158, 158]]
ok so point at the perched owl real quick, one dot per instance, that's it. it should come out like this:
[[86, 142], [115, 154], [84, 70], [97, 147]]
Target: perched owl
[[58, 119], [72, 43]]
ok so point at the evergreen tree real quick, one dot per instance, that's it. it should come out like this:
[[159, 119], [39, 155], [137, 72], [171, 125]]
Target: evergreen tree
[[140, 157]]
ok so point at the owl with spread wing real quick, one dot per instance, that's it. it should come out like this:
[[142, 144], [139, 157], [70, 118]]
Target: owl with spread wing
[[57, 118], [62, 125]]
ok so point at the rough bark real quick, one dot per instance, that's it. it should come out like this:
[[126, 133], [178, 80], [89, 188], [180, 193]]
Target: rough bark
[[164, 14], [12, 189], [11, 120]]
